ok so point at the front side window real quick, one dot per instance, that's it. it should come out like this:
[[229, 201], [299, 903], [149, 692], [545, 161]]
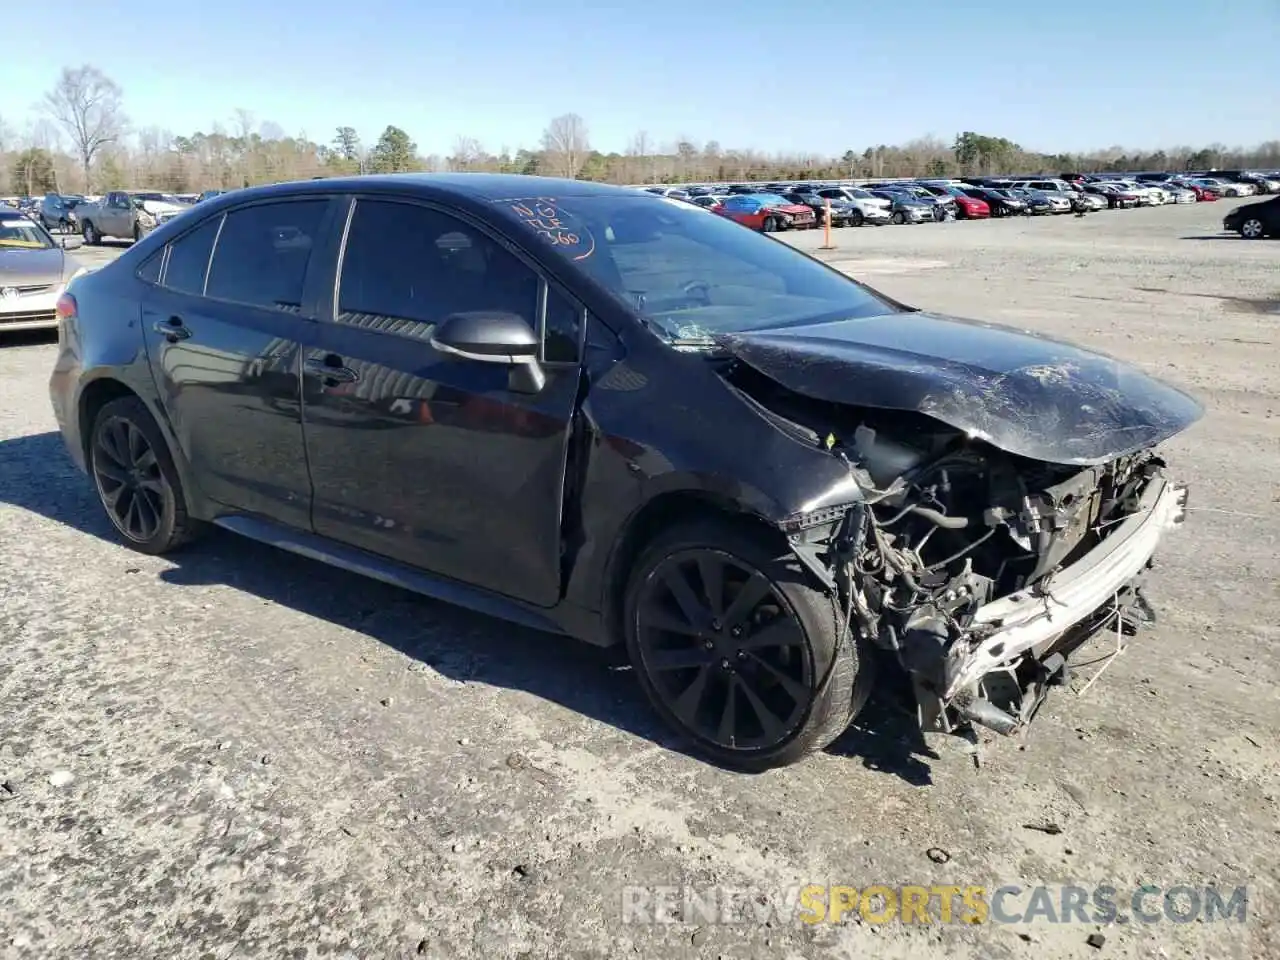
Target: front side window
[[405, 268], [189, 258], [263, 251], [688, 275]]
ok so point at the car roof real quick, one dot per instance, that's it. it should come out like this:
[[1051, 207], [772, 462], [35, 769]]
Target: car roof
[[474, 186]]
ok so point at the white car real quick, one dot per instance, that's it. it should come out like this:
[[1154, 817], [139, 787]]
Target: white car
[[34, 270], [1179, 193], [874, 209], [1227, 188]]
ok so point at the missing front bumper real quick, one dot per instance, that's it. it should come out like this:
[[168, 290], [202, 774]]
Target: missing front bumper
[[1019, 646]]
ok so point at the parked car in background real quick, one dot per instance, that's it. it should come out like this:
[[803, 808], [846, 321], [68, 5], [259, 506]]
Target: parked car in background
[[1203, 192], [843, 212], [1254, 221], [1116, 196], [708, 200], [1000, 204], [1038, 203], [1254, 178], [1178, 193], [875, 210], [1227, 188], [117, 215], [34, 269], [209, 195], [57, 212], [905, 208], [642, 427], [967, 207], [944, 207], [766, 212]]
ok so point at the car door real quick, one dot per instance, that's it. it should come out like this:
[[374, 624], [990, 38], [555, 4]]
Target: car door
[[118, 221], [422, 456], [224, 330]]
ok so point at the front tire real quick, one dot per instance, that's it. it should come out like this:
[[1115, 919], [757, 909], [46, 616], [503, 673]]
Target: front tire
[[91, 236], [770, 225], [899, 218], [1252, 229], [737, 649], [856, 219], [137, 482]]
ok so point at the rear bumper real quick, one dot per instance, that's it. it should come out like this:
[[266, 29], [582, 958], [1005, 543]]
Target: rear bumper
[[1017, 643]]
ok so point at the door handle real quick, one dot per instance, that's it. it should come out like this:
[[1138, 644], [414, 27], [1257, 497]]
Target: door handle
[[172, 329], [331, 368]]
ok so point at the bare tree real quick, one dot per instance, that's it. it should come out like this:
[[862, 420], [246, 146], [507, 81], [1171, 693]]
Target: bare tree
[[87, 103], [566, 145], [467, 153]]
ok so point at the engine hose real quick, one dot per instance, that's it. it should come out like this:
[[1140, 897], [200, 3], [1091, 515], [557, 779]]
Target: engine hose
[[940, 519]]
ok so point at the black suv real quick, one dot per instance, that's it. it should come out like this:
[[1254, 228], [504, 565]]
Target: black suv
[[598, 412]]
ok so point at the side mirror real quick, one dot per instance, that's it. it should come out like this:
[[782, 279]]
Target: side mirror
[[70, 243], [492, 337]]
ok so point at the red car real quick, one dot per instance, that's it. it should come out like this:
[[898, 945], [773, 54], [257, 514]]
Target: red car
[[971, 208], [1203, 194], [967, 207], [766, 212]]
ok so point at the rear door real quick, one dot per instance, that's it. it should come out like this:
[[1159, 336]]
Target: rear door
[[426, 458], [224, 331]]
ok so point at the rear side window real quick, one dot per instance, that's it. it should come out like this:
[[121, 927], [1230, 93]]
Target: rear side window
[[150, 269], [262, 254], [189, 258]]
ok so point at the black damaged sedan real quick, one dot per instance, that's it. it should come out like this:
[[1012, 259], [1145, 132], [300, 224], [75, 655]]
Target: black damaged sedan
[[605, 413]]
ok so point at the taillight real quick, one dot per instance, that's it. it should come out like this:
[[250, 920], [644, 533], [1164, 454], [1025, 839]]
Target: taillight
[[66, 308]]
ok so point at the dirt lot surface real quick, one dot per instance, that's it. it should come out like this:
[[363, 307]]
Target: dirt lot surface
[[238, 753]]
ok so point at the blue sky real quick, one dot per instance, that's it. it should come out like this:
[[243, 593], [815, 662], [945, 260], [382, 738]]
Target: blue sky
[[1052, 76]]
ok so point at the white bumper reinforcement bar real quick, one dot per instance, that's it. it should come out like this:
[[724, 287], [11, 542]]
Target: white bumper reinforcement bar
[[1030, 619]]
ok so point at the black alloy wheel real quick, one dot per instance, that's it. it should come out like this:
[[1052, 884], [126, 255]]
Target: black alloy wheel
[[136, 479], [737, 650]]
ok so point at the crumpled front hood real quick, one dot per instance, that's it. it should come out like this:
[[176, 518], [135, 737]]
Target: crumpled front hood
[[1027, 394], [25, 267], [155, 207]]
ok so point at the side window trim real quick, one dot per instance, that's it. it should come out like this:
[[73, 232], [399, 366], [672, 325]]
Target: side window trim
[[208, 264], [545, 290], [168, 249], [313, 260]]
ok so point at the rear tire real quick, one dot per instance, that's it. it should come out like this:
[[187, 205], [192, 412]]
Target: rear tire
[[137, 482], [770, 684]]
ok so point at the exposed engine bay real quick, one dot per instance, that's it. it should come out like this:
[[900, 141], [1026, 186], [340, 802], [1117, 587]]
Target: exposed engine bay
[[980, 571]]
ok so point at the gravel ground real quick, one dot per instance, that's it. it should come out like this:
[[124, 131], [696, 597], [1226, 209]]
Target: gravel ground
[[238, 753]]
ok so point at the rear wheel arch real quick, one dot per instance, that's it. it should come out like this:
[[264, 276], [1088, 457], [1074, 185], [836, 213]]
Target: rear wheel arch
[[98, 393], [93, 398]]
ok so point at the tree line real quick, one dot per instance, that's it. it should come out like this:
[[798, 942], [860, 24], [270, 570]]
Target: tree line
[[83, 141]]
